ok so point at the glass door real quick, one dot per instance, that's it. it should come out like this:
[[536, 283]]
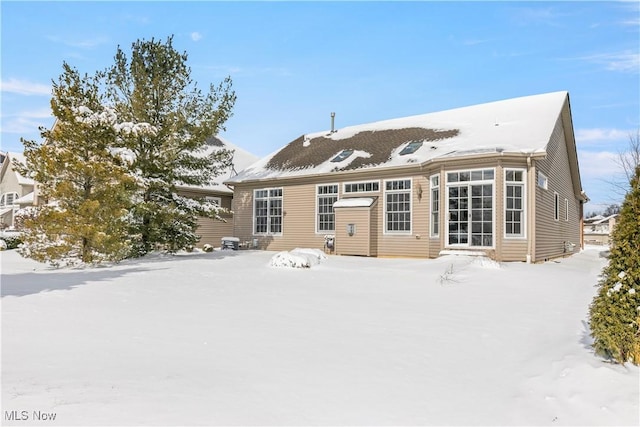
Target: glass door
[[470, 214], [482, 215]]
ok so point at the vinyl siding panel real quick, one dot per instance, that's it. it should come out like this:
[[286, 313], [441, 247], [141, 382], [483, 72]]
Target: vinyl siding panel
[[212, 230], [551, 234], [10, 184], [299, 218], [360, 242], [416, 243], [242, 207]]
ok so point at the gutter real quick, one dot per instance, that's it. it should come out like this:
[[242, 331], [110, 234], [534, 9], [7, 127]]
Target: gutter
[[406, 168]]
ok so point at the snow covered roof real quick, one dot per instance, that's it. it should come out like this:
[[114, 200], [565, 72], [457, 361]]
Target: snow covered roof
[[28, 198], [599, 219], [241, 160], [520, 125]]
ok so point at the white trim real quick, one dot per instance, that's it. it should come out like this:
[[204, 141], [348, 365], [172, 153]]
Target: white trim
[[214, 199], [566, 209], [384, 210], [253, 214], [344, 184], [523, 229], [337, 194], [431, 188], [545, 181]]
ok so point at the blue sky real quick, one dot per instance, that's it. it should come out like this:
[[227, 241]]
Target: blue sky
[[293, 63]]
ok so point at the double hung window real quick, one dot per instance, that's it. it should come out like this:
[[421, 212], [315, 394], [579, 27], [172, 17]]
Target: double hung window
[[435, 205], [514, 203], [398, 206], [326, 196]]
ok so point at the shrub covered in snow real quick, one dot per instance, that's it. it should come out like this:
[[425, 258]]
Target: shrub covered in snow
[[207, 248], [615, 311], [10, 240], [298, 258]]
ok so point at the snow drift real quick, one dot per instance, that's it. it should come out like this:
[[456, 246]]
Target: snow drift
[[297, 258]]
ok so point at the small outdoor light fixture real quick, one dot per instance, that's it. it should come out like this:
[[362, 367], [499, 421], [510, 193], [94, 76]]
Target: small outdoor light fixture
[[351, 229]]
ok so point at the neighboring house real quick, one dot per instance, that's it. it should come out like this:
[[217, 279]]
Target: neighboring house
[[212, 231], [500, 178], [597, 229], [16, 191]]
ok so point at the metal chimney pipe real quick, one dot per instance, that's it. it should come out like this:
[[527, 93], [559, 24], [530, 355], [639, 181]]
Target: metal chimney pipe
[[333, 118]]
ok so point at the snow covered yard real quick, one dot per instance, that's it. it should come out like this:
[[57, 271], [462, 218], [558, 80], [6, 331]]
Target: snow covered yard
[[222, 338]]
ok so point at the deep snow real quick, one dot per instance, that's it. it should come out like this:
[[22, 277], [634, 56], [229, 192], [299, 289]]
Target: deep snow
[[222, 338]]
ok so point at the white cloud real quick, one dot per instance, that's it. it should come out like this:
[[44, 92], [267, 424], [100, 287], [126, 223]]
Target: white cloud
[[474, 42], [195, 36], [600, 164], [626, 61], [23, 87], [600, 135], [27, 122], [87, 43]]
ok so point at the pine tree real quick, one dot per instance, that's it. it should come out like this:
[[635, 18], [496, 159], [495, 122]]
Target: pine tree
[[166, 120], [85, 188], [615, 311]]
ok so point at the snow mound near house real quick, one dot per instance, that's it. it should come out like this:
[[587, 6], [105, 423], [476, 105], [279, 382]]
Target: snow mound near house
[[297, 258], [485, 262]]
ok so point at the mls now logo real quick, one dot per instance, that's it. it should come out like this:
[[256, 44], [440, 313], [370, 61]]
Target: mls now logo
[[26, 416]]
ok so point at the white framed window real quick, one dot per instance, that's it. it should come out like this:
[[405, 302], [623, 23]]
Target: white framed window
[[361, 187], [326, 196], [435, 205], [514, 202], [566, 209], [267, 211], [212, 199], [7, 199], [556, 206], [543, 181], [470, 212], [397, 196]]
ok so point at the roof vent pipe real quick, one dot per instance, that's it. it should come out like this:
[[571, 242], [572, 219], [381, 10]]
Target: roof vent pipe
[[333, 118]]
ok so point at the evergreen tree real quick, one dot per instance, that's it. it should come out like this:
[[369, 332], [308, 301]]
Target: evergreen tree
[[85, 188], [615, 311], [166, 120]]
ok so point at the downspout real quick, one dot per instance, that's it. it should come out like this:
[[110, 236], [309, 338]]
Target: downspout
[[531, 217], [581, 225]]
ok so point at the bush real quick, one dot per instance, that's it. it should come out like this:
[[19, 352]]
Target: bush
[[615, 311], [12, 242]]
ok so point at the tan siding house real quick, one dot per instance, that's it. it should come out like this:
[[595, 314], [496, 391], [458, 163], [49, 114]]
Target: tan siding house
[[500, 178]]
